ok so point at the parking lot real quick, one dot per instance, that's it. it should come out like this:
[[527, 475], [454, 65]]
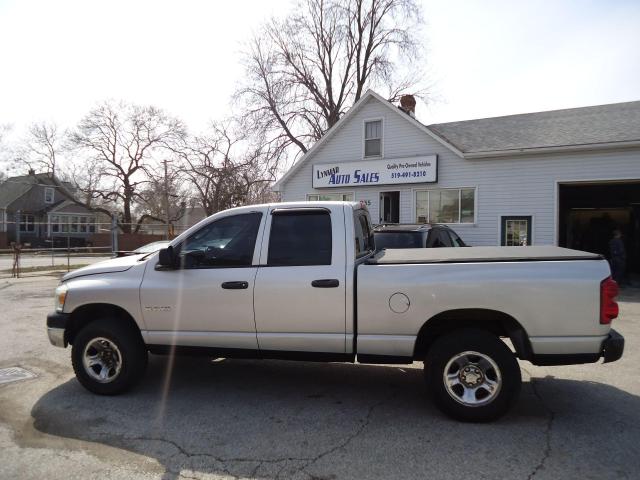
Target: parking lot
[[198, 418]]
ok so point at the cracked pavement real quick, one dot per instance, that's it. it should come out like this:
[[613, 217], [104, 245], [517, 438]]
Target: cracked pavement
[[308, 421]]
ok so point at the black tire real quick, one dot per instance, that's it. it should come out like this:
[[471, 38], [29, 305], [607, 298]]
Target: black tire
[[131, 349], [490, 400]]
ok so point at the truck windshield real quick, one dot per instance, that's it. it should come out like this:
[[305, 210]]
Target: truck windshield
[[398, 240]]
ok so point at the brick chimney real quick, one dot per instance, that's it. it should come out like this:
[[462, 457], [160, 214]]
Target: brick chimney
[[408, 104]]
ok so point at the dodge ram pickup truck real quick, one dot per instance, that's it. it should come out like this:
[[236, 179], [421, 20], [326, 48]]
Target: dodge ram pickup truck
[[303, 281]]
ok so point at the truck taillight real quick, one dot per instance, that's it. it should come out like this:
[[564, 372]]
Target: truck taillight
[[608, 305]]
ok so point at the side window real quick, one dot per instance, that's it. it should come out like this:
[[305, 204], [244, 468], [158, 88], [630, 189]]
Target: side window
[[446, 238], [457, 241], [300, 238], [364, 238], [438, 238], [228, 242]]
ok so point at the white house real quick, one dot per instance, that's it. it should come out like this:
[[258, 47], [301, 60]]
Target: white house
[[564, 177]]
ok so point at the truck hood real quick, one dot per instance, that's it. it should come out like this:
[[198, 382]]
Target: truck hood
[[120, 264]]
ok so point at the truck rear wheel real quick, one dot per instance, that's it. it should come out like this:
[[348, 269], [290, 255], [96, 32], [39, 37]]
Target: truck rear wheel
[[472, 375], [108, 357]]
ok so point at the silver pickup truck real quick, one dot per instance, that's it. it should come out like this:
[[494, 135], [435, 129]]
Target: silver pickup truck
[[303, 281]]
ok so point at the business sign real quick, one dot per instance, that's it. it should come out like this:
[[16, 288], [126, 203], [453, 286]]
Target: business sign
[[423, 169]]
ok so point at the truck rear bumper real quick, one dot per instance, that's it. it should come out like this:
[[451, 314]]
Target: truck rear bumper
[[611, 350], [613, 347], [56, 327]]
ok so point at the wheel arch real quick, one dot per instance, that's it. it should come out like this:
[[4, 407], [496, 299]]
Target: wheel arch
[[85, 314], [496, 322]]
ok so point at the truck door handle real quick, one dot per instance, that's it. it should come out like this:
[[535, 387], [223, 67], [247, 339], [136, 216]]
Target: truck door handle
[[235, 285], [325, 283]]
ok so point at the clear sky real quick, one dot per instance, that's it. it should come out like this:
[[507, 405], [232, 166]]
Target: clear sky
[[485, 57]]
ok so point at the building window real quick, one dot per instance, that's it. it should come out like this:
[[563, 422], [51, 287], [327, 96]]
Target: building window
[[450, 205], [373, 138], [330, 197], [48, 195], [72, 224], [515, 231], [27, 223]]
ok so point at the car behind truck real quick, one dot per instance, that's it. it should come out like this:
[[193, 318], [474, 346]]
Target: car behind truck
[[303, 281]]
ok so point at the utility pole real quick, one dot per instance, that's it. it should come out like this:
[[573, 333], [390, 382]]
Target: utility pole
[[17, 227], [166, 197], [114, 233]]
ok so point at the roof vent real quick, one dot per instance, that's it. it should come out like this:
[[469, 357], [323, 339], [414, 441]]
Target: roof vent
[[408, 104]]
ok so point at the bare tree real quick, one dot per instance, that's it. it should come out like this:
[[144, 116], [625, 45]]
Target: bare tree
[[5, 151], [225, 168], [41, 148], [164, 198], [305, 71], [119, 141]]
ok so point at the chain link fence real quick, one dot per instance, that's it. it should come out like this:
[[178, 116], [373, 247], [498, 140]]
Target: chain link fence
[[30, 248]]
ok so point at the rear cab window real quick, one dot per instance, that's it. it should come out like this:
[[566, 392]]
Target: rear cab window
[[364, 241]]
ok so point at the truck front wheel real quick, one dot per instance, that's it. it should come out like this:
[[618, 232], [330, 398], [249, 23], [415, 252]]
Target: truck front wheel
[[472, 375], [108, 357]]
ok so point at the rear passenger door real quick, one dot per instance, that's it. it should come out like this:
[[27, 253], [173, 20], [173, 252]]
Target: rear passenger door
[[299, 295]]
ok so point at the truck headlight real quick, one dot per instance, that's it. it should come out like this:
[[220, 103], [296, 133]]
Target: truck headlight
[[61, 296]]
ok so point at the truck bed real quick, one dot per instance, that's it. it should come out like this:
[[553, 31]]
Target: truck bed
[[478, 254]]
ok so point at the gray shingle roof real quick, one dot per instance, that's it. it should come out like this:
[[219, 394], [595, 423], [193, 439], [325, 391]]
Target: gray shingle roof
[[603, 124], [13, 188]]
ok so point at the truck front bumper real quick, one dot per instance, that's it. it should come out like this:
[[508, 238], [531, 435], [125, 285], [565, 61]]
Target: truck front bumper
[[611, 350], [56, 327]]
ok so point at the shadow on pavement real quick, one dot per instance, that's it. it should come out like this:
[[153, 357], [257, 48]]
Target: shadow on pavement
[[273, 419]]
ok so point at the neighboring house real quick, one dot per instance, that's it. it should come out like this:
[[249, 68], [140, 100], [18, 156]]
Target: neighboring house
[[39, 210], [564, 177], [192, 215]]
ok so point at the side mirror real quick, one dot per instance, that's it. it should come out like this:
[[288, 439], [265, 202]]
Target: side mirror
[[166, 257]]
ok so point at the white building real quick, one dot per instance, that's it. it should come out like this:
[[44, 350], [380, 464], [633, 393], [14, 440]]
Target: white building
[[565, 177]]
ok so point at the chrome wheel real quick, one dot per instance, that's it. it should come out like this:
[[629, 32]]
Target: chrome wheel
[[472, 379], [102, 360]]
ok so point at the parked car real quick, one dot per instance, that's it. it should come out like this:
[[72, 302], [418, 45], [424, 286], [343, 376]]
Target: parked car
[[152, 247], [302, 281], [415, 236]]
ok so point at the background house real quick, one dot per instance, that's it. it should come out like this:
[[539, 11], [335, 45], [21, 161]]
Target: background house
[[563, 177], [39, 210]]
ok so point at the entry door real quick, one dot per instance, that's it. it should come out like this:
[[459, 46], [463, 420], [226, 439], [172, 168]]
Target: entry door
[[300, 287], [516, 231], [389, 207], [208, 301]]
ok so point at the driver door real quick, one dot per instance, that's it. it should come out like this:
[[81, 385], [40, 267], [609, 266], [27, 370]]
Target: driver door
[[208, 300]]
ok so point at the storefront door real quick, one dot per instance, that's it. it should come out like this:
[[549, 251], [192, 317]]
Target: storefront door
[[389, 207]]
